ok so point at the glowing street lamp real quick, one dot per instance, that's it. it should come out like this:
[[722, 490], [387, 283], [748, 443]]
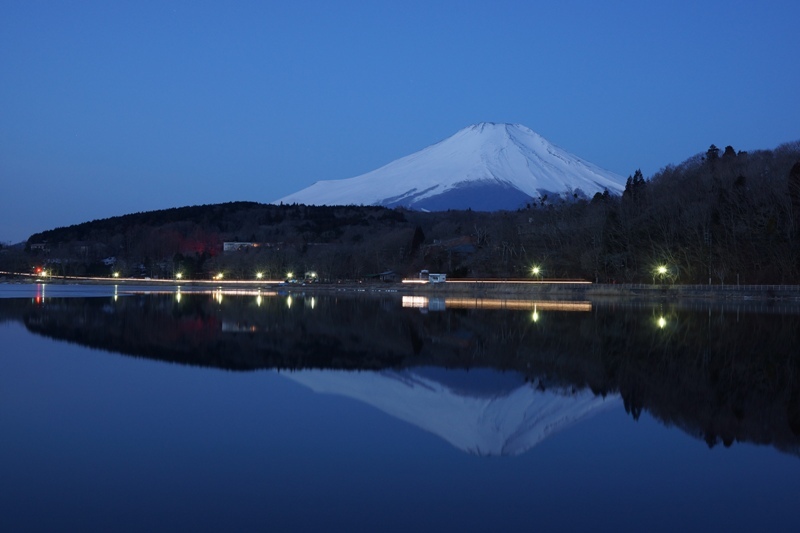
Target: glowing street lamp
[[536, 271], [115, 274], [259, 275], [662, 322], [661, 271], [179, 275], [219, 276]]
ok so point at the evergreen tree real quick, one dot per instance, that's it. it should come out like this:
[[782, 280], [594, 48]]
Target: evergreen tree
[[417, 240], [729, 153], [712, 155], [794, 192], [634, 186]]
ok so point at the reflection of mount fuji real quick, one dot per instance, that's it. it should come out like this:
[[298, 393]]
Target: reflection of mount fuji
[[483, 412], [724, 373]]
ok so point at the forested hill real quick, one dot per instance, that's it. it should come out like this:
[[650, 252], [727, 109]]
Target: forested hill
[[357, 240], [196, 214], [722, 216]]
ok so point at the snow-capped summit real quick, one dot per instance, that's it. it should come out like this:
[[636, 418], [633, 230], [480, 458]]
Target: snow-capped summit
[[484, 167]]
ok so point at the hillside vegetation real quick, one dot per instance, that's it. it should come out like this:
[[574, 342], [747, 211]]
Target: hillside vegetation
[[722, 215]]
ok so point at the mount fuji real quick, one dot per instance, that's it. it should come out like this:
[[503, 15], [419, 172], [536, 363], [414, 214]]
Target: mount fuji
[[484, 167]]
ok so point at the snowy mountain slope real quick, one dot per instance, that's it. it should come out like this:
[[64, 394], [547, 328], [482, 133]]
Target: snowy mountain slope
[[486, 166], [507, 417]]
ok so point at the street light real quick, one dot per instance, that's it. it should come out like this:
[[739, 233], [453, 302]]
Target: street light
[[115, 274], [536, 270], [259, 275], [661, 271], [179, 275]]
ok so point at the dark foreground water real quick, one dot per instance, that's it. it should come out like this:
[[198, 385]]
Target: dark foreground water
[[258, 411]]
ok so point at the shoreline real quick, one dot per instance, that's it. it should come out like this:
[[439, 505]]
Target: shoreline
[[478, 288]]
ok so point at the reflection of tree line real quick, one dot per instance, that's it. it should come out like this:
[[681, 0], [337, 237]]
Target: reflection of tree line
[[720, 376], [191, 331]]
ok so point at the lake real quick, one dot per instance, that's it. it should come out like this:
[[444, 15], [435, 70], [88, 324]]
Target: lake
[[133, 409]]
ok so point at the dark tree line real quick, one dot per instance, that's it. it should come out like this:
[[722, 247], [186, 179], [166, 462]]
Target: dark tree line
[[714, 217], [721, 216]]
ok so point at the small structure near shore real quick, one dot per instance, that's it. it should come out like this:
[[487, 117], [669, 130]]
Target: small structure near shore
[[425, 275]]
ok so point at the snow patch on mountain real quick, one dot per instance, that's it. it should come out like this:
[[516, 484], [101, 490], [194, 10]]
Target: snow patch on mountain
[[486, 166], [480, 412]]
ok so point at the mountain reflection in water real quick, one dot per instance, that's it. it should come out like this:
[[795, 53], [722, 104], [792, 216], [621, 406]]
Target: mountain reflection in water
[[500, 422], [495, 379]]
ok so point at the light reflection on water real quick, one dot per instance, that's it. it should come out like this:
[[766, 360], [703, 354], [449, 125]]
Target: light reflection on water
[[379, 416]]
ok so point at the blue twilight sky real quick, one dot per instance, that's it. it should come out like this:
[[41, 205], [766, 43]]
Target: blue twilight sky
[[108, 108]]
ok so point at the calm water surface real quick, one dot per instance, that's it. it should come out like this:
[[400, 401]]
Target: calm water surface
[[264, 411]]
